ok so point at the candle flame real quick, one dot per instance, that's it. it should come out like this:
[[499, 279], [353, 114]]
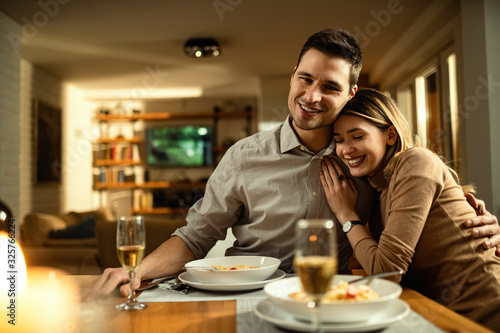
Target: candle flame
[[13, 265], [38, 299]]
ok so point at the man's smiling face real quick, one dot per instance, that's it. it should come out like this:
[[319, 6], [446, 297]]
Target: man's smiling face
[[319, 89]]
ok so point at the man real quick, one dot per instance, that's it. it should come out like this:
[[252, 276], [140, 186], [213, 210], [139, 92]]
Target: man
[[268, 181]]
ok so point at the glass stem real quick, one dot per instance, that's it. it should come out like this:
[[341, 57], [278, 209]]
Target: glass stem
[[315, 320], [131, 295]]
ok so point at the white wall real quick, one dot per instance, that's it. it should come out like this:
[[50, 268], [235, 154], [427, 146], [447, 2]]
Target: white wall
[[20, 83], [492, 14], [77, 151], [10, 73], [480, 101], [40, 85]]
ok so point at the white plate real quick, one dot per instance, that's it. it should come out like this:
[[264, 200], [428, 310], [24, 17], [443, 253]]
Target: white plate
[[264, 267], [189, 280], [266, 310], [335, 312]]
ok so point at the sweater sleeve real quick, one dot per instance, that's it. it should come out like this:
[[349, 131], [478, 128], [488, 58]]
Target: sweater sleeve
[[406, 201]]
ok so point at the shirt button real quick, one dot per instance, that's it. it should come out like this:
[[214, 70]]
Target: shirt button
[[314, 193]]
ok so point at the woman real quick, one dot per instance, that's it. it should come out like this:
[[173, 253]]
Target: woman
[[423, 211]]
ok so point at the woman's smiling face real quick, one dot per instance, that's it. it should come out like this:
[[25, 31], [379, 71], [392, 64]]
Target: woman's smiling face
[[360, 144]]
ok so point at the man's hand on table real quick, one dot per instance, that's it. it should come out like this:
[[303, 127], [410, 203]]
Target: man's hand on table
[[485, 224], [107, 283]]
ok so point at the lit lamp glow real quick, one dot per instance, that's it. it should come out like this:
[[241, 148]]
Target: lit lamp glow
[[38, 299]]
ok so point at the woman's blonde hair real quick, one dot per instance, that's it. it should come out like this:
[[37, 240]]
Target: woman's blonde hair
[[382, 112]]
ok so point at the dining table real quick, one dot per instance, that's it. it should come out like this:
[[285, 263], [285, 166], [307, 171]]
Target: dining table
[[190, 309]]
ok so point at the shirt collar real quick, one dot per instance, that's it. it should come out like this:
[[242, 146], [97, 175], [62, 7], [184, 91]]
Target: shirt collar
[[289, 140]]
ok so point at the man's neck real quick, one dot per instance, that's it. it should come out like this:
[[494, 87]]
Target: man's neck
[[314, 140]]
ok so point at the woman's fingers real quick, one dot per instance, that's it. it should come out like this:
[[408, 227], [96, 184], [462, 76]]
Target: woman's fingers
[[338, 170], [329, 172]]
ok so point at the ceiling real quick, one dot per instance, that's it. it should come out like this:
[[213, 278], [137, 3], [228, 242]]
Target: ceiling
[[95, 44]]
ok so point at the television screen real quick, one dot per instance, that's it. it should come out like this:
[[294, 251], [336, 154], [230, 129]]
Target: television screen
[[179, 146]]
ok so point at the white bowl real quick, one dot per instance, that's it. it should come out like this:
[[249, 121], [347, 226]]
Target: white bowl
[[339, 312], [267, 267]]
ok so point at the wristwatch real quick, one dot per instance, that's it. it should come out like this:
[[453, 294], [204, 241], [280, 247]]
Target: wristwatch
[[349, 224]]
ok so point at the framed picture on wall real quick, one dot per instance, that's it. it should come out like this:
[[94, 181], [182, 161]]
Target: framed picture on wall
[[47, 137]]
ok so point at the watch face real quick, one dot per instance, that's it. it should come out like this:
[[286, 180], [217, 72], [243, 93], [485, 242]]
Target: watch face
[[347, 226]]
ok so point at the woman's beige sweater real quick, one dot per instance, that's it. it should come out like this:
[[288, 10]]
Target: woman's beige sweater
[[423, 213]]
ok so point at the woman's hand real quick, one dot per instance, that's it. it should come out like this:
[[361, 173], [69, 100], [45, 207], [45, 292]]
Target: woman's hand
[[340, 192]]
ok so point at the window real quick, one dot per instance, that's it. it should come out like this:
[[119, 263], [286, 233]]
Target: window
[[451, 110], [428, 112], [433, 112]]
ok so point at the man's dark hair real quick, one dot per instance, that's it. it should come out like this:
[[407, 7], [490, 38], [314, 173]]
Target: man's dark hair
[[337, 43]]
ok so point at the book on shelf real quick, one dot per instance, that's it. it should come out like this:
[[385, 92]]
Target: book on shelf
[[115, 176], [143, 200], [117, 151], [136, 157]]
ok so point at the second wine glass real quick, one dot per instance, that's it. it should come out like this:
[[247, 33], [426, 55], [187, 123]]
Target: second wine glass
[[130, 245], [315, 261]]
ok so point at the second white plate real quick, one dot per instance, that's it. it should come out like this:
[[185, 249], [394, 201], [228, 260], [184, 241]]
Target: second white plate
[[266, 310], [190, 281]]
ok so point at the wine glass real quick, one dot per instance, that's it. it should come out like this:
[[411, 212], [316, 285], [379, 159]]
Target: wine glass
[[130, 245], [315, 261]]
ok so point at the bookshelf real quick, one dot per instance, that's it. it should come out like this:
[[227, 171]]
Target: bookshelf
[[116, 157]]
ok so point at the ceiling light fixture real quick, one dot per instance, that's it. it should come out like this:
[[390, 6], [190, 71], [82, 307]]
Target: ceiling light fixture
[[202, 47]]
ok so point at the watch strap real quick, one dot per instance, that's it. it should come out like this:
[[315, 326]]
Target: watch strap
[[351, 224], [354, 222]]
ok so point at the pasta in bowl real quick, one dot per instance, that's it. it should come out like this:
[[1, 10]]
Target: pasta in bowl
[[343, 292], [232, 269], [343, 303]]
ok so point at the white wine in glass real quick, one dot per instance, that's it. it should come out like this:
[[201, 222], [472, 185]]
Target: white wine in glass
[[315, 261], [130, 245]]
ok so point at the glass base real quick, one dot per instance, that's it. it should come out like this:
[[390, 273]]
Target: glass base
[[131, 306]]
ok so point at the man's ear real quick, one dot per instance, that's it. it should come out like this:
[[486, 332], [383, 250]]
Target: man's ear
[[392, 135], [353, 91]]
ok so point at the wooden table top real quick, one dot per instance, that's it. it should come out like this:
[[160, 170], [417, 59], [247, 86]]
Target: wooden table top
[[171, 317], [220, 316], [439, 315], [197, 316]]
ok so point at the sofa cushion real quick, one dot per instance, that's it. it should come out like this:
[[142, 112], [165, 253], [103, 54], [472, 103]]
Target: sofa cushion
[[83, 229], [70, 242], [36, 227], [72, 218]]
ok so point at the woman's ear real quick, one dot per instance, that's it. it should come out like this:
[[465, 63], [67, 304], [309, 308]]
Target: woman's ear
[[392, 135]]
